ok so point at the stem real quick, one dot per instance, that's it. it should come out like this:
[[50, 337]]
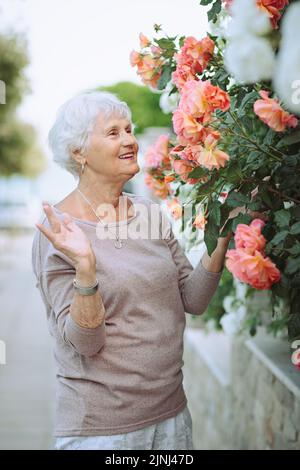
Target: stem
[[272, 190], [246, 137], [284, 196]]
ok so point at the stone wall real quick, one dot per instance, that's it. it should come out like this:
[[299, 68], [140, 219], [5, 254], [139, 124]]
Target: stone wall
[[242, 393]]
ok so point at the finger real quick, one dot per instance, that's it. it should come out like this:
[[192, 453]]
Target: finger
[[69, 222], [53, 220], [48, 234]]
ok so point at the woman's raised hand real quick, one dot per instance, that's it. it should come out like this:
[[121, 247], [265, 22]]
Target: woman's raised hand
[[67, 237]]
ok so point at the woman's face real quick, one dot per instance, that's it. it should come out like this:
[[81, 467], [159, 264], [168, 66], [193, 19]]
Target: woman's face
[[112, 138]]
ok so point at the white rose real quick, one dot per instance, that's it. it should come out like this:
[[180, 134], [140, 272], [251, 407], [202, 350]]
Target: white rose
[[169, 103], [249, 59], [228, 302], [241, 288], [286, 79], [232, 323], [219, 28], [247, 18]]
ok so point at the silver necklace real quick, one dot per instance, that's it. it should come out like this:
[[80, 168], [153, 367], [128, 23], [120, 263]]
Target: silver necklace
[[118, 242]]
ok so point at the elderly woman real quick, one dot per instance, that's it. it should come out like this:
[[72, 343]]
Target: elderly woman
[[115, 301]]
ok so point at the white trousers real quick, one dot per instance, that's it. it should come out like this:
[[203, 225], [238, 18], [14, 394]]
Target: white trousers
[[172, 434]]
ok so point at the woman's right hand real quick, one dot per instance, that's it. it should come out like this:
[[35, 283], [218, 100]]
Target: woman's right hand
[[67, 237]]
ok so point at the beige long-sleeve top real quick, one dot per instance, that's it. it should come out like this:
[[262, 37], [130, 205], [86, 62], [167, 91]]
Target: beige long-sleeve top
[[125, 374]]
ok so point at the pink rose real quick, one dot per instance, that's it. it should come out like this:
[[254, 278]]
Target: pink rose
[[183, 169], [249, 237], [200, 98], [272, 114], [187, 128], [209, 156], [144, 41], [175, 208], [159, 187], [200, 221], [272, 7], [158, 153], [258, 271], [195, 54]]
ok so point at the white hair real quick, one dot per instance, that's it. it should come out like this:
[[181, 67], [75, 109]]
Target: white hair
[[75, 121]]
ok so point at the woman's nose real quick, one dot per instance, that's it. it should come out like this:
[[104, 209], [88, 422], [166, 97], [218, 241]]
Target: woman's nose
[[128, 139]]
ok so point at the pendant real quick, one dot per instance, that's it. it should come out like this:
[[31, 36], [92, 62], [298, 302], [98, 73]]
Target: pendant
[[118, 244]]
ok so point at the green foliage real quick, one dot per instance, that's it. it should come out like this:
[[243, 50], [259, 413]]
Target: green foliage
[[143, 103], [13, 61], [215, 309], [19, 151], [215, 9], [261, 160]]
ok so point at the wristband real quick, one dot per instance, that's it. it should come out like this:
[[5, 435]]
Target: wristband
[[85, 290]]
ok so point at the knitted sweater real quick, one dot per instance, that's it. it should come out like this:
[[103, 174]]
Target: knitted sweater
[[125, 374]]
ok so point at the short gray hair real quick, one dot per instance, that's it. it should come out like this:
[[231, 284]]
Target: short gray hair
[[75, 121]]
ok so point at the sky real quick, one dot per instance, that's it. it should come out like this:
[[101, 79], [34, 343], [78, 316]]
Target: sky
[[75, 45]]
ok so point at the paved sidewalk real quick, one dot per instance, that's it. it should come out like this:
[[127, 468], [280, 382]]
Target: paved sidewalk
[[27, 379]]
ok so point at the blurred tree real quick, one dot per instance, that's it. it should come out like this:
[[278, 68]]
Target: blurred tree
[[19, 150], [143, 103]]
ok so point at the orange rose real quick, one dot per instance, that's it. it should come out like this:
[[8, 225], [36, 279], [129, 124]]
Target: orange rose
[[272, 114], [175, 208]]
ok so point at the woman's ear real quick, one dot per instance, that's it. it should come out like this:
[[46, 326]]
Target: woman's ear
[[77, 155]]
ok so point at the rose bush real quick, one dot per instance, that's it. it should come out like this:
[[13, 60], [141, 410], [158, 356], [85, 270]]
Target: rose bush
[[236, 145]]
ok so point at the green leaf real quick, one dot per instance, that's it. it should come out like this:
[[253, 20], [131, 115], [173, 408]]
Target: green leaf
[[197, 172], [234, 173], [293, 265], [211, 234], [266, 196], [282, 218], [241, 219], [246, 100], [295, 303], [292, 138], [254, 205], [294, 326], [205, 2], [214, 11], [215, 212], [227, 228], [295, 228], [210, 242], [165, 77], [269, 137], [165, 43], [181, 41], [295, 282], [236, 199], [295, 250], [279, 237], [291, 160]]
